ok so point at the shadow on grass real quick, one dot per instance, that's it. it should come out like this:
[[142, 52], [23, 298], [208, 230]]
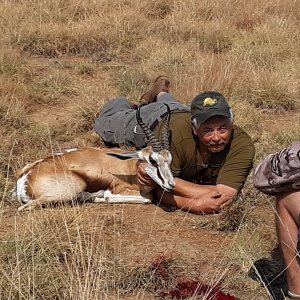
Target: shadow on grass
[[270, 273]]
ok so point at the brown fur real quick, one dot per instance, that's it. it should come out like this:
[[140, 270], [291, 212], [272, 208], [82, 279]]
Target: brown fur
[[81, 173], [89, 165]]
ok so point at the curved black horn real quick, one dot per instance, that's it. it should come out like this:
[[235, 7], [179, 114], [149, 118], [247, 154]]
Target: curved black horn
[[153, 141], [164, 136]]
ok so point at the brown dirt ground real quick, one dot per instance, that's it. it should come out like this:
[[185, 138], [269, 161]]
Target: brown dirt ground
[[143, 233]]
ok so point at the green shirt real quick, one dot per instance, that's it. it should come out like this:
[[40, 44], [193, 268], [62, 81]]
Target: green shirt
[[229, 167]]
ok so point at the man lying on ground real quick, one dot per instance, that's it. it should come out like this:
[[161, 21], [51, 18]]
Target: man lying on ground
[[211, 157]]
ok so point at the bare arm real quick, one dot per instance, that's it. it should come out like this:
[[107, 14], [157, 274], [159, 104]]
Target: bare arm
[[198, 199], [192, 197]]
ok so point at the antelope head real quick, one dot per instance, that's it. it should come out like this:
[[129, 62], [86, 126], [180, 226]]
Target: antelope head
[[157, 155]]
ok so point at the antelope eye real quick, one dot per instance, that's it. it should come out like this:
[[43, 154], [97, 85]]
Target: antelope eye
[[152, 161]]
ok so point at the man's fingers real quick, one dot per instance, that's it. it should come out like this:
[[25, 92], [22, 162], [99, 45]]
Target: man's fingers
[[140, 170], [143, 177], [226, 203], [222, 202]]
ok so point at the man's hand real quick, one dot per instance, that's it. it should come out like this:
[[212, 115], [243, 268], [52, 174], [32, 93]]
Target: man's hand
[[143, 177], [198, 199], [212, 201], [209, 200]]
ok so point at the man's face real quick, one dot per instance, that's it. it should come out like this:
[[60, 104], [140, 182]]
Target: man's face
[[214, 134]]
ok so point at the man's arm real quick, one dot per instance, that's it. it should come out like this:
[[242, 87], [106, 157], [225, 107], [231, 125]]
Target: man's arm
[[195, 198], [192, 197]]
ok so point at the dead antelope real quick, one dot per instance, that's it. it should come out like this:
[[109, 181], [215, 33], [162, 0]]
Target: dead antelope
[[104, 175]]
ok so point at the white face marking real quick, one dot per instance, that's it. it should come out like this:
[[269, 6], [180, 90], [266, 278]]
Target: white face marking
[[159, 169], [21, 189]]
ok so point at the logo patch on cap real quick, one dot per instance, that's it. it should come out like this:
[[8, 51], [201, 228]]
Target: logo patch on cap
[[209, 101]]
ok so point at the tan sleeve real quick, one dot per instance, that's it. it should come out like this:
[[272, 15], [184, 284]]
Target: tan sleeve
[[238, 163], [175, 164]]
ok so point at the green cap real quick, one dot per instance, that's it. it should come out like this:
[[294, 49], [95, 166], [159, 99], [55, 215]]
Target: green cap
[[210, 104]]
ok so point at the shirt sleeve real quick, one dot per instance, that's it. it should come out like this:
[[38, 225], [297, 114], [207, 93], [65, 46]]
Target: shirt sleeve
[[175, 164], [238, 163]]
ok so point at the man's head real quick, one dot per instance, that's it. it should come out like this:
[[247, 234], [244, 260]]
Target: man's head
[[210, 104], [212, 120]]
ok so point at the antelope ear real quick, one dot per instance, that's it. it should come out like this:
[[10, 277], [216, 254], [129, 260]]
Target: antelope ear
[[124, 155]]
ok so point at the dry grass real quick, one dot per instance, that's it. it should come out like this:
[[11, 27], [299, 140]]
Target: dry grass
[[61, 248], [57, 250], [60, 61]]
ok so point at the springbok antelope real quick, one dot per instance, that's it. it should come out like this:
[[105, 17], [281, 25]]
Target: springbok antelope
[[101, 174]]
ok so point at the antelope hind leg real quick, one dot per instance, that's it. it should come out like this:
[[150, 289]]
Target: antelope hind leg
[[63, 188], [40, 202], [33, 203]]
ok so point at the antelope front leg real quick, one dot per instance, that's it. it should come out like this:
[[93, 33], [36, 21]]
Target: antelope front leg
[[117, 198], [88, 196]]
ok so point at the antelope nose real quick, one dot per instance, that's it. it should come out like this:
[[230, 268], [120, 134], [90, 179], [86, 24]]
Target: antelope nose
[[172, 184]]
